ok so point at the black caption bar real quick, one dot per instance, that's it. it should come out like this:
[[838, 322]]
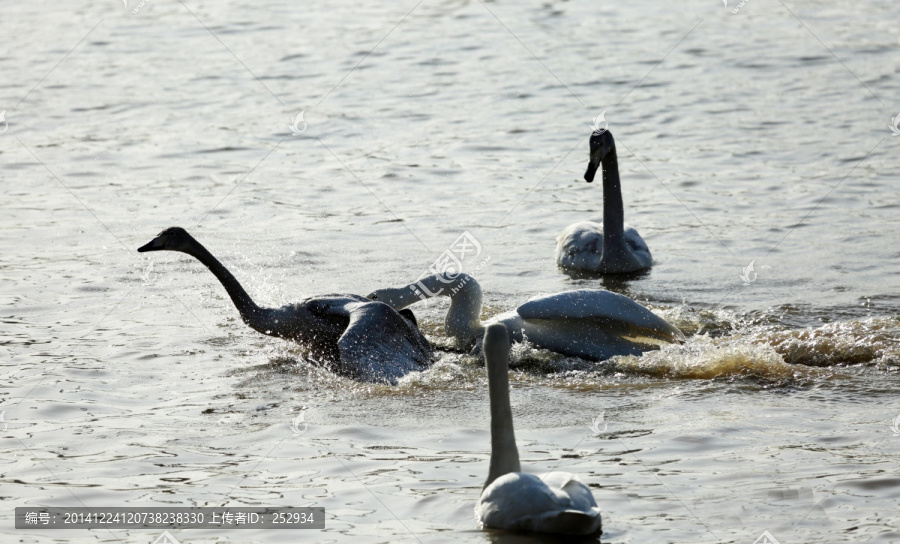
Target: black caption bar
[[44, 517]]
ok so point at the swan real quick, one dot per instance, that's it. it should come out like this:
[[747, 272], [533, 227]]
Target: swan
[[369, 340], [613, 247], [554, 503], [589, 323]]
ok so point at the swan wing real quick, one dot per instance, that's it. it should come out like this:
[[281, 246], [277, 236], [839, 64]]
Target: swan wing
[[608, 310], [581, 514], [379, 345], [633, 238], [557, 503], [581, 247], [586, 233], [578, 495]]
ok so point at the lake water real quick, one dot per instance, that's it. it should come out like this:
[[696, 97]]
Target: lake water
[[758, 136]]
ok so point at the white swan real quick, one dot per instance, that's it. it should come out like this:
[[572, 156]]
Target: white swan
[[554, 503], [368, 340], [589, 323], [612, 247]]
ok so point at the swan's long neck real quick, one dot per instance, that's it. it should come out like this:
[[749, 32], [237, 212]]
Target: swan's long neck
[[464, 317], [250, 312], [504, 454], [613, 208]]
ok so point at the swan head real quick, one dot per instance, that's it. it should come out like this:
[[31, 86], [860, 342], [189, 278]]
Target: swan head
[[459, 286], [496, 346], [395, 297], [171, 239], [602, 144], [463, 320]]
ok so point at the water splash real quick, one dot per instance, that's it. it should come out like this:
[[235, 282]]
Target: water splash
[[866, 341], [706, 358]]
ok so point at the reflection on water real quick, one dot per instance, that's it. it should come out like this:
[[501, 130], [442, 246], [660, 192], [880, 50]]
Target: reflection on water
[[501, 537]]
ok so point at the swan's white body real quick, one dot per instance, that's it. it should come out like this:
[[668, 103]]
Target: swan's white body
[[367, 340], [608, 246], [580, 247], [557, 502], [589, 323]]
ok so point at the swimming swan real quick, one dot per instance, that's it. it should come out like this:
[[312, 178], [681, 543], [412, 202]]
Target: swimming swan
[[614, 247], [370, 341], [554, 503], [589, 323]]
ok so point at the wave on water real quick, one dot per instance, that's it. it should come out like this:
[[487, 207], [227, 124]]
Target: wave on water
[[729, 347], [866, 341], [704, 358], [768, 353]]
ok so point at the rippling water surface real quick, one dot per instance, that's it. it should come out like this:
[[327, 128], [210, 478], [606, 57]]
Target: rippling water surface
[[759, 136]]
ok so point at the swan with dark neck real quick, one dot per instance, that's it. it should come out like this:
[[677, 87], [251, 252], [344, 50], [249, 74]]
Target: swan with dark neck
[[173, 240], [367, 341], [613, 247], [557, 502]]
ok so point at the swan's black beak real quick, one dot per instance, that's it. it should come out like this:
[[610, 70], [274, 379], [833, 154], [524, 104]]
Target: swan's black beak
[[152, 245], [591, 171]]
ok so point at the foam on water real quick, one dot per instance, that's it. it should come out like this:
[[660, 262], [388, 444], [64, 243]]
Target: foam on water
[[706, 358], [867, 341]]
